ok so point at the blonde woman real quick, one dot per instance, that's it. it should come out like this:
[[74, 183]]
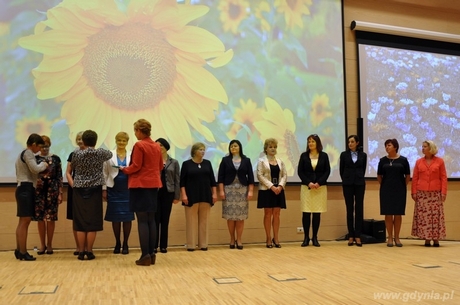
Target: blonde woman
[[116, 193], [429, 191], [272, 177]]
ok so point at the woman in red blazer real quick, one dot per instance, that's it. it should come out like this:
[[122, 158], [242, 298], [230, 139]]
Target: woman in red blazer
[[143, 183], [429, 190]]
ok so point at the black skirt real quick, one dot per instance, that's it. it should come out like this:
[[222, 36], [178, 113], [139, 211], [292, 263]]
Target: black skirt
[[268, 199], [143, 199], [87, 209], [25, 200]]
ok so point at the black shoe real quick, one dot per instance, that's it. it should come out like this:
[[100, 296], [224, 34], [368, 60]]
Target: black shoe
[[49, 252], [232, 246], [436, 245], [305, 243], [41, 252], [76, 253], [16, 253], [190, 250], [90, 255], [25, 256], [163, 250], [204, 249], [239, 247], [275, 244], [116, 249], [315, 242], [125, 249], [81, 255]]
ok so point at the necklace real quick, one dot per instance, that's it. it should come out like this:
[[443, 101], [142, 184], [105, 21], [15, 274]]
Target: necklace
[[391, 161], [199, 164]]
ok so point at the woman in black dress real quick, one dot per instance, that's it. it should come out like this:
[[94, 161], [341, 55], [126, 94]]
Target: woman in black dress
[[199, 193], [393, 174], [272, 177]]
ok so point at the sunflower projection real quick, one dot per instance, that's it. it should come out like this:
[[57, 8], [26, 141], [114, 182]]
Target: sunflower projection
[[198, 70]]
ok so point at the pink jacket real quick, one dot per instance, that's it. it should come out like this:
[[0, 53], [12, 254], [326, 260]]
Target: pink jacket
[[431, 177]]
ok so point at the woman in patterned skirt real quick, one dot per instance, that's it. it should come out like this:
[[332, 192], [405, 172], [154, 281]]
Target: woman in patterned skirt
[[429, 190], [236, 183], [313, 170]]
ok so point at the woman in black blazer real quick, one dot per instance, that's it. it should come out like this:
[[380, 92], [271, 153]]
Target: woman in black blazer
[[236, 183], [352, 169], [313, 170]]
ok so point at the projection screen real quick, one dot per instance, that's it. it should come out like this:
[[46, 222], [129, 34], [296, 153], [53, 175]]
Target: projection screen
[[199, 71]]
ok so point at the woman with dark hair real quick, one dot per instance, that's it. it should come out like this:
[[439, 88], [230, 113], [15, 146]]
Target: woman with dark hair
[[199, 194], [27, 171], [70, 173], [168, 194], [429, 191], [116, 193], [236, 184], [352, 168], [48, 197], [272, 176], [87, 192], [143, 183], [393, 174], [313, 169]]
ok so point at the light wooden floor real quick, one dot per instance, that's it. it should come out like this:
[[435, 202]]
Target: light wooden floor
[[331, 274]]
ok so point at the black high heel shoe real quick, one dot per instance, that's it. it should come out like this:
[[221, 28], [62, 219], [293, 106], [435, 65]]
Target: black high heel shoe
[[25, 256], [269, 245], [116, 249], [275, 244], [41, 252], [125, 249], [305, 243], [232, 246], [16, 253], [351, 242], [315, 242], [81, 255], [239, 247]]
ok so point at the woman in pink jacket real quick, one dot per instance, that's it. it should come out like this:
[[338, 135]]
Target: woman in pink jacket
[[429, 189]]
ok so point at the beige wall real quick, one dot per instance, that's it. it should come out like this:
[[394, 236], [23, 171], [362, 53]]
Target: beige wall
[[433, 15]]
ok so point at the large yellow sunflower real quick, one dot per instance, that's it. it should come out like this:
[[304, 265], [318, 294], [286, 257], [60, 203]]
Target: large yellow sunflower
[[245, 116], [279, 124], [320, 109], [232, 12], [293, 11], [112, 67], [29, 125]]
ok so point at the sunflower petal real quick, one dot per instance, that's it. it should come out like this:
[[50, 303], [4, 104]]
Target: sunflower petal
[[54, 42], [51, 85], [202, 82], [174, 18], [55, 64], [221, 60], [195, 40]]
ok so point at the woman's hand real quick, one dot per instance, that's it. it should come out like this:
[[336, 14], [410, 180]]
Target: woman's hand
[[214, 198], [185, 200], [414, 197], [222, 195], [60, 198], [249, 195], [104, 195]]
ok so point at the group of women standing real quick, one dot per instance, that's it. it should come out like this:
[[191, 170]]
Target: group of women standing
[[156, 182]]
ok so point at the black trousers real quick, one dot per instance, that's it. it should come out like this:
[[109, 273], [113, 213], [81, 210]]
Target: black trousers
[[164, 207], [354, 201]]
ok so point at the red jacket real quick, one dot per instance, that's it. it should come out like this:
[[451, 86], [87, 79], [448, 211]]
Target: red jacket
[[429, 178], [146, 165]]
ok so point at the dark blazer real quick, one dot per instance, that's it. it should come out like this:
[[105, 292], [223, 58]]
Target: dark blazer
[[227, 171], [321, 172], [352, 173]]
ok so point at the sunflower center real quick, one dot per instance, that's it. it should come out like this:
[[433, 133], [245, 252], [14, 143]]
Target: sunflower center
[[234, 11], [130, 67], [292, 4], [293, 151]]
